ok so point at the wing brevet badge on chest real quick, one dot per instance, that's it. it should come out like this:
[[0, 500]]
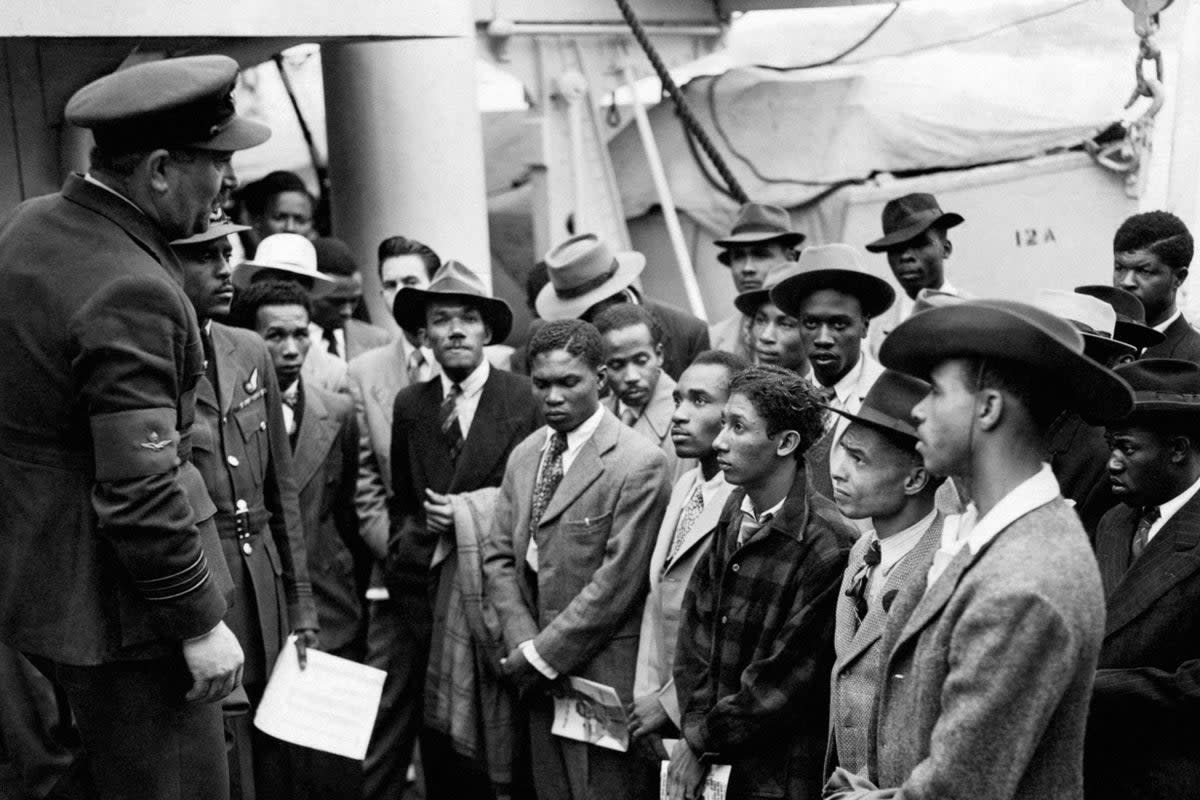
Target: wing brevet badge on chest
[[251, 383]]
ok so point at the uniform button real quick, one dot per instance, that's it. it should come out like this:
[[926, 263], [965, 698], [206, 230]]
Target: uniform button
[[724, 619], [262, 426], [247, 548], [233, 462], [736, 567]]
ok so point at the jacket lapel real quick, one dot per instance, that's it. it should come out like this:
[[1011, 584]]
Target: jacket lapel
[[666, 531], [206, 394], [660, 409], [1172, 555], [704, 525], [913, 567], [1113, 541], [485, 441], [228, 368], [585, 469], [312, 439]]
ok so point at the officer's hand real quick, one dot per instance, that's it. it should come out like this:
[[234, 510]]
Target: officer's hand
[[439, 514], [215, 661], [305, 638]]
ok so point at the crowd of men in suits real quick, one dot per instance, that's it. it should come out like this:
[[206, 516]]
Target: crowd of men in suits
[[862, 546]]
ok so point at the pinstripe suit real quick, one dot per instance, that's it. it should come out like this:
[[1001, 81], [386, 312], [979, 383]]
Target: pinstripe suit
[[857, 649], [1144, 726]]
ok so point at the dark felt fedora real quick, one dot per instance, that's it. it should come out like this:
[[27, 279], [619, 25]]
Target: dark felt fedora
[[1164, 386], [1014, 332], [833, 266], [757, 222], [454, 281], [909, 216], [889, 403], [1092, 317], [1131, 324]]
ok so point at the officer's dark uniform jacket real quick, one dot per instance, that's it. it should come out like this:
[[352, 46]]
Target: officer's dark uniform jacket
[[241, 447], [101, 558]]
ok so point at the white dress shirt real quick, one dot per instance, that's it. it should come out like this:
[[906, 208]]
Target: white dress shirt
[[576, 439], [468, 401], [1168, 322], [288, 396], [893, 549], [1168, 509], [973, 531]]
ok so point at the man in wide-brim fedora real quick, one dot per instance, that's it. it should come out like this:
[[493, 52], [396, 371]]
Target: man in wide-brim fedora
[[760, 242], [1142, 738], [917, 244], [587, 276], [988, 673]]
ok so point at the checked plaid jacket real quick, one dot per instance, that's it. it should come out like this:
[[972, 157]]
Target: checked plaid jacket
[[756, 646]]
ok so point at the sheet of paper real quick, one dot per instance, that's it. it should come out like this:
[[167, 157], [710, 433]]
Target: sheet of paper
[[716, 784], [590, 712], [330, 705]]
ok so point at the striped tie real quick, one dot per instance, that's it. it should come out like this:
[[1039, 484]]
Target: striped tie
[[1141, 536], [449, 421]]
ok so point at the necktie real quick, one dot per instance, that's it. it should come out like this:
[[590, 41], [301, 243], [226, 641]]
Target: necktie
[[289, 408], [858, 585], [448, 419], [548, 480], [417, 372], [1141, 536], [691, 512], [331, 339], [750, 526], [629, 416]]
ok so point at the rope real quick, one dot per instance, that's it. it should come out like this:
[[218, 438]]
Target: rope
[[681, 105]]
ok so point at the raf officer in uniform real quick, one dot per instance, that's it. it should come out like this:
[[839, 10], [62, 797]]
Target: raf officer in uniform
[[241, 448], [111, 578]]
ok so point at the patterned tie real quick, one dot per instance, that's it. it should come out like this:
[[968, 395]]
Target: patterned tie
[[418, 371], [858, 586], [448, 419], [751, 525], [629, 416], [1141, 536], [548, 480], [691, 512]]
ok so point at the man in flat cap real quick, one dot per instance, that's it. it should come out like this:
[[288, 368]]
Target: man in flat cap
[[989, 663], [760, 242], [917, 244], [1152, 252], [106, 579], [1143, 737], [834, 298]]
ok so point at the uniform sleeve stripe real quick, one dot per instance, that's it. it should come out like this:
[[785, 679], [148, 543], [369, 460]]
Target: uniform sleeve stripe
[[150, 583], [177, 585], [187, 590]]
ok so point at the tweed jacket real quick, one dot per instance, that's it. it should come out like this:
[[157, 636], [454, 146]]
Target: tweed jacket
[[1144, 726], [655, 424], [101, 558], [756, 645], [241, 448], [594, 541], [505, 416], [857, 649], [1183, 341], [669, 580], [987, 673], [325, 468]]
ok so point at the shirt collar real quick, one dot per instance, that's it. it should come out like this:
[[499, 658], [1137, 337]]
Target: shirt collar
[[290, 392], [1033, 493], [89, 179], [898, 545], [470, 385], [748, 508], [1169, 508], [582, 432], [849, 382], [1168, 322]]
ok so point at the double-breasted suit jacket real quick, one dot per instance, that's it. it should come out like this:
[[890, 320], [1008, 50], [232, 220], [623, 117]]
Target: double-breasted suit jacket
[[669, 580], [1144, 724], [756, 645], [1183, 341], [101, 557], [856, 646], [241, 448], [505, 416], [987, 673], [325, 468]]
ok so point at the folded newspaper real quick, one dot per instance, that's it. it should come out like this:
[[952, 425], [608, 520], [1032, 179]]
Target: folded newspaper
[[716, 782], [590, 712]]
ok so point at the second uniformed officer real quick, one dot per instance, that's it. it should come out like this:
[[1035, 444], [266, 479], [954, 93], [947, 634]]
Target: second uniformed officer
[[241, 448]]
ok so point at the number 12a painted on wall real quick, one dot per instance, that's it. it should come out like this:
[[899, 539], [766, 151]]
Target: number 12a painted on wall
[[1031, 237]]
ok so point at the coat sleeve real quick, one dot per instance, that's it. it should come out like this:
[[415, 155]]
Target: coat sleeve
[[1125, 696], [133, 339], [1011, 657], [593, 616], [693, 649], [345, 516], [502, 565], [410, 547], [370, 494], [791, 681], [283, 504]]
